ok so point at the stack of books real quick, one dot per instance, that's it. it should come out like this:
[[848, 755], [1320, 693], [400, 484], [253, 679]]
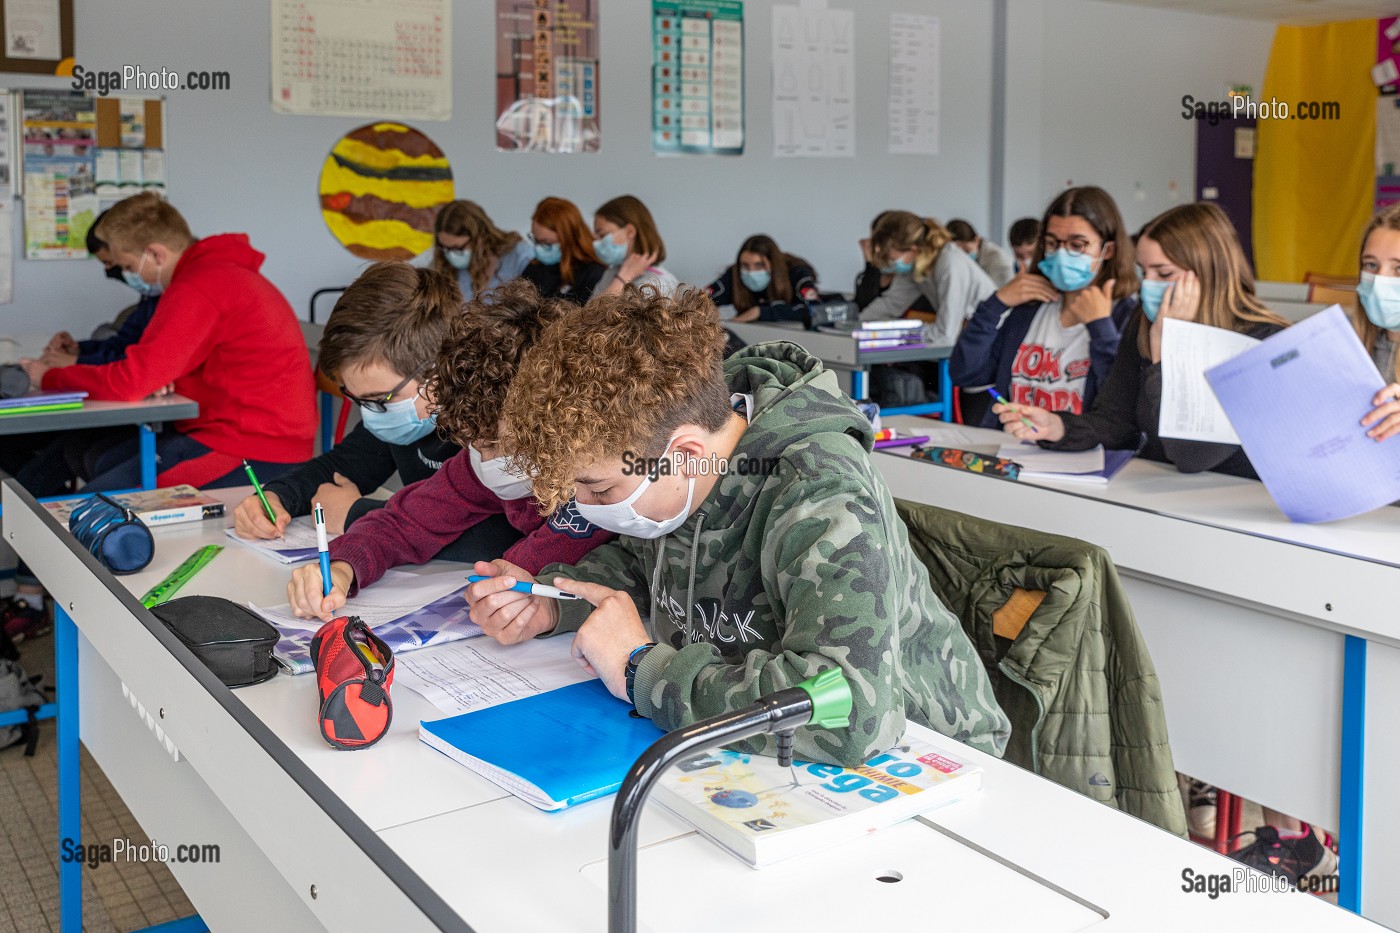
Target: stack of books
[[172, 505], [883, 335], [40, 402]]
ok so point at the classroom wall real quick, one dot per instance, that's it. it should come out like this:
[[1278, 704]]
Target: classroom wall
[[1079, 73], [1094, 97]]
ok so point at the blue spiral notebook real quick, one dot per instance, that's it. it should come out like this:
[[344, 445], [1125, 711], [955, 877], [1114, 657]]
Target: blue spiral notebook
[[553, 749]]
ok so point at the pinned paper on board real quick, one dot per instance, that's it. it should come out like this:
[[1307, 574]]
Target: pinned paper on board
[[814, 81], [547, 76], [381, 188]]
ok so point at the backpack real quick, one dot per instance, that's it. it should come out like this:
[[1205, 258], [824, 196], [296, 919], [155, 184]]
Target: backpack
[[20, 691]]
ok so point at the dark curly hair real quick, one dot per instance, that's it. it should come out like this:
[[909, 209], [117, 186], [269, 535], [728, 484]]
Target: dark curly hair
[[620, 373], [479, 356]]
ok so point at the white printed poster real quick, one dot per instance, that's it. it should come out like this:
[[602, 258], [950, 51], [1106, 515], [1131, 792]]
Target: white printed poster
[[363, 58], [914, 62], [814, 82]]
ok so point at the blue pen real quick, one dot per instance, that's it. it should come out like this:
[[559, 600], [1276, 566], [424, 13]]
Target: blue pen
[[992, 391], [534, 589], [324, 550]]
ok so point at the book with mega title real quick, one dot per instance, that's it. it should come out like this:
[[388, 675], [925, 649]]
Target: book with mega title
[[155, 507], [763, 813]]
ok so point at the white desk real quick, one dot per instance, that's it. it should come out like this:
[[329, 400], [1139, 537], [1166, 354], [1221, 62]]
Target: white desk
[[1247, 616], [398, 837]]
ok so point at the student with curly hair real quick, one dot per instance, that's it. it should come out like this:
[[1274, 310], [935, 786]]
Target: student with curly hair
[[758, 546], [476, 507]]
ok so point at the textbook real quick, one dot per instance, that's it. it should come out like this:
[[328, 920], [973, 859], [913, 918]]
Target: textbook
[[763, 813], [170, 506], [553, 749], [859, 328]]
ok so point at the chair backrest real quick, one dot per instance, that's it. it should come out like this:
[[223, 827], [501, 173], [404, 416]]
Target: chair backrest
[[1333, 281], [320, 293]]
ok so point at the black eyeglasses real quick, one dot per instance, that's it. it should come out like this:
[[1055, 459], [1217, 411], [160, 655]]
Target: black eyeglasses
[[380, 404]]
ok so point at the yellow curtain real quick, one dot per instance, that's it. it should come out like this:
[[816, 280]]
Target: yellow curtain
[[1314, 180]]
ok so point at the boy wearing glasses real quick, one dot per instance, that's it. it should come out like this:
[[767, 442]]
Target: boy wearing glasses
[[398, 337]]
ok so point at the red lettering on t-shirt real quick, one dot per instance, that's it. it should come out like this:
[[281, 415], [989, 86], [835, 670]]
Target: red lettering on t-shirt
[[1034, 362]]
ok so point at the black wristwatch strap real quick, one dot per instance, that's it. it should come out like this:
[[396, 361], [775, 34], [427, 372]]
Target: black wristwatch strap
[[633, 660]]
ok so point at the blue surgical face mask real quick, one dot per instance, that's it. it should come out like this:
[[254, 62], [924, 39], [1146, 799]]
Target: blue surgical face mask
[[1380, 297], [1150, 296], [148, 289], [899, 267], [609, 251], [1069, 272], [756, 280], [399, 422], [457, 258], [549, 254]]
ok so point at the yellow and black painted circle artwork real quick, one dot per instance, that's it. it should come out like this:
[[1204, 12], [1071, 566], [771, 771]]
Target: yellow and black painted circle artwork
[[381, 188]]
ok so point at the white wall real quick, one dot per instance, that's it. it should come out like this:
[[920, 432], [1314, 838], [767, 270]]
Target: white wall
[[235, 165], [1094, 97]]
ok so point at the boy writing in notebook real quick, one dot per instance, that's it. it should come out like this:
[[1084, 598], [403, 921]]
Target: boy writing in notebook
[[723, 588], [222, 334]]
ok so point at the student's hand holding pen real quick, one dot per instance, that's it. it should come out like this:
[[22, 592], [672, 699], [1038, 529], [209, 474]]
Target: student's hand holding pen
[[1044, 425], [250, 518], [505, 614], [307, 596]]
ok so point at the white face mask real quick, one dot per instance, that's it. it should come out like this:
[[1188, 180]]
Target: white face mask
[[621, 518], [495, 476]]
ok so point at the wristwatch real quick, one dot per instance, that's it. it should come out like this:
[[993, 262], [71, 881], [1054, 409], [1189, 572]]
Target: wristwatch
[[633, 660]]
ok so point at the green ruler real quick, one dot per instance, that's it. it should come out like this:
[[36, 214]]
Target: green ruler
[[182, 575]]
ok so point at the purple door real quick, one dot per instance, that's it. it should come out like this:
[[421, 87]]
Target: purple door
[[1225, 173]]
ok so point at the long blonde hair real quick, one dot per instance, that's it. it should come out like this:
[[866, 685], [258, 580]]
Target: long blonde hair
[[1200, 238], [487, 241], [901, 231], [1387, 218]]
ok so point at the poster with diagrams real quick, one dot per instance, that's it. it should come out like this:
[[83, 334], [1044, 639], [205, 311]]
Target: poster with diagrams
[[547, 91], [914, 61], [363, 58], [697, 77], [814, 82]]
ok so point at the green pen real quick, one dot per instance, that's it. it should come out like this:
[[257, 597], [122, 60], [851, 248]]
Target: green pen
[[257, 486]]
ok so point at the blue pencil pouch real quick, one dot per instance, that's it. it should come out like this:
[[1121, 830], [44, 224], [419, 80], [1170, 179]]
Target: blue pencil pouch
[[113, 534]]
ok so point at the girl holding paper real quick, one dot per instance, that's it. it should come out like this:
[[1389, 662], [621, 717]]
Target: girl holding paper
[[1379, 324], [1193, 270]]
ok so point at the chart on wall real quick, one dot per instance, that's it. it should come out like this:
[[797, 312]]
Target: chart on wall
[[697, 77], [547, 97], [914, 62], [814, 81], [356, 58], [381, 188]]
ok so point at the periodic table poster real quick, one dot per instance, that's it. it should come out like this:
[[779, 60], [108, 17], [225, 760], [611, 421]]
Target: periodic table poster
[[363, 58], [547, 76], [698, 77]]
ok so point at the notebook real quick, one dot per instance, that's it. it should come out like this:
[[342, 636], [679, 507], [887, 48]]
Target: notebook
[[552, 750], [763, 813], [1081, 466], [172, 505]]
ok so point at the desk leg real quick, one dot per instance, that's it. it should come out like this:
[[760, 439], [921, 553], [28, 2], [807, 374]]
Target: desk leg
[[148, 456], [858, 387], [327, 422], [945, 391], [1353, 808], [70, 801]]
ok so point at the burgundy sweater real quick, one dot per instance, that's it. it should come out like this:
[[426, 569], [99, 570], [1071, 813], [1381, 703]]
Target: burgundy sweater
[[423, 518]]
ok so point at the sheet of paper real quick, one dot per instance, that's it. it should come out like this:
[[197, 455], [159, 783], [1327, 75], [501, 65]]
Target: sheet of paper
[[298, 542], [913, 96], [32, 30], [1297, 401], [1189, 409], [1034, 459], [467, 675], [814, 81]]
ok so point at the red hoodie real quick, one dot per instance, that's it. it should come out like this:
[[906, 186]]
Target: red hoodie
[[226, 337]]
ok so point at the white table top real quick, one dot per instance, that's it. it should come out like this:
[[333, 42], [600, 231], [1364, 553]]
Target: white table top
[[483, 850]]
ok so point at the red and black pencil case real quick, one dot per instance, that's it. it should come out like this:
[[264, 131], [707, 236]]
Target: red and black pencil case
[[354, 670]]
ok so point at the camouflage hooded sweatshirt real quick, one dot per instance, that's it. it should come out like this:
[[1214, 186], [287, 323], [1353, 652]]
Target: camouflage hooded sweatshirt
[[784, 572]]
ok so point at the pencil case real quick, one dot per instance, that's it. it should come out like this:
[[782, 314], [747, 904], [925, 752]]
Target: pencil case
[[967, 460], [113, 534], [235, 643], [354, 671]]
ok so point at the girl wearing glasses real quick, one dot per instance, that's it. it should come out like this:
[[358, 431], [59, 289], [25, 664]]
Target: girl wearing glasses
[[1048, 337], [1193, 270], [469, 247], [564, 265], [379, 340]]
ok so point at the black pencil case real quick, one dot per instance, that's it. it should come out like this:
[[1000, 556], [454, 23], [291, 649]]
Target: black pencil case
[[233, 642]]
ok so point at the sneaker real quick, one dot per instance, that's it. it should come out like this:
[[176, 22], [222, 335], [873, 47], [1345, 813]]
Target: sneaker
[[21, 621], [1199, 799], [1294, 859]]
